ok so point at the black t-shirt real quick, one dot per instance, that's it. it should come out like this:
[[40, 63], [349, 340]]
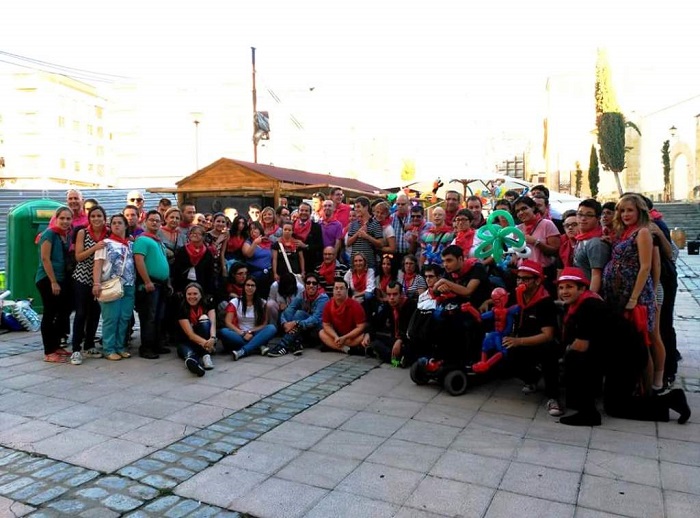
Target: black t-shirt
[[193, 314], [531, 320], [482, 293]]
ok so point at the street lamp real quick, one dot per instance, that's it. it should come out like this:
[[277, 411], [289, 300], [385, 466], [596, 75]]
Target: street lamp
[[672, 130], [196, 144]]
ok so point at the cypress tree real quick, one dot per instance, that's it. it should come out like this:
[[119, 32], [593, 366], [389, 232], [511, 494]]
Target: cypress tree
[[593, 173]]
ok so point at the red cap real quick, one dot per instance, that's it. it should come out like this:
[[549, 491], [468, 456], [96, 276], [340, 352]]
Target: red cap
[[573, 274], [527, 265]]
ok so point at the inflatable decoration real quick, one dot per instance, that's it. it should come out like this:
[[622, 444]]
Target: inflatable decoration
[[26, 316], [497, 240]]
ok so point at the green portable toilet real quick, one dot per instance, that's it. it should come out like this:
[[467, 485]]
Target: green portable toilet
[[24, 222]]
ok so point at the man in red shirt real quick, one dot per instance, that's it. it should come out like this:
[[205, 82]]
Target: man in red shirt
[[342, 210], [343, 321]]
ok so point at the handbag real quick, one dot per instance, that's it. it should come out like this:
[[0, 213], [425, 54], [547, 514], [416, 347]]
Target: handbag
[[112, 289], [286, 261]]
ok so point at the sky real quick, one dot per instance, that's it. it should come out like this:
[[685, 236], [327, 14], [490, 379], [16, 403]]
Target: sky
[[450, 80]]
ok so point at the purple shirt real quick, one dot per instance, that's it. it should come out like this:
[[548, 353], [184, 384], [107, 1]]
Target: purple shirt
[[332, 231]]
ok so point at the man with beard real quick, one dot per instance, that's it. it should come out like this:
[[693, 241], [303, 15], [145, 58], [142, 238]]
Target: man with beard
[[301, 320], [189, 212], [309, 237]]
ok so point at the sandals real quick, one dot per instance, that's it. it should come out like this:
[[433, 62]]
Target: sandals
[[55, 358]]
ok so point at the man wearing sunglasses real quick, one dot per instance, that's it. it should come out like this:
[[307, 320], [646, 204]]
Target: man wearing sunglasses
[[135, 198], [302, 318]]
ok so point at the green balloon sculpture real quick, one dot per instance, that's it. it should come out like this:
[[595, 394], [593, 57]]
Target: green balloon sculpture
[[495, 239]]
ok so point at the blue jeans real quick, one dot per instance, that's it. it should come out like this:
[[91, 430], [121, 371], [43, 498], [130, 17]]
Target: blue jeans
[[116, 316], [188, 349], [234, 341]]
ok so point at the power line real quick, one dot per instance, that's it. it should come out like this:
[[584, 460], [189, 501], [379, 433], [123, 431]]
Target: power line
[[68, 70], [73, 76]]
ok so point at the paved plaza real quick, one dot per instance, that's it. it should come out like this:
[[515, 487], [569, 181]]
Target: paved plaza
[[326, 435]]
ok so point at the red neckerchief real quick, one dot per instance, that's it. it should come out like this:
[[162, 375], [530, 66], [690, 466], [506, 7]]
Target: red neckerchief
[[532, 225], [194, 253], [234, 244], [327, 271], [596, 232], [442, 230], [338, 312], [359, 281], [308, 301], [152, 236], [655, 215], [195, 312], [301, 229], [267, 233], [123, 240], [326, 221], [290, 246], [171, 233], [185, 225], [265, 243], [238, 290], [573, 308], [539, 295], [639, 316], [396, 310], [465, 239], [58, 230], [95, 238], [628, 232], [384, 281], [466, 267], [408, 280], [385, 222], [566, 251]]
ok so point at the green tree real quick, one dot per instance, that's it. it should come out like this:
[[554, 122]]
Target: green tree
[[593, 173], [605, 99], [579, 179], [666, 161]]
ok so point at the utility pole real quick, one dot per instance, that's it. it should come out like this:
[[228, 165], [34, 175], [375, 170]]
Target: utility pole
[[255, 109]]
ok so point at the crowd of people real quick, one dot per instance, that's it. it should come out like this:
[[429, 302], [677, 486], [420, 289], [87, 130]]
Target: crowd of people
[[390, 282]]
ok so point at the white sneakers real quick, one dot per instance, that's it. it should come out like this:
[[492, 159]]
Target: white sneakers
[[207, 363], [76, 358]]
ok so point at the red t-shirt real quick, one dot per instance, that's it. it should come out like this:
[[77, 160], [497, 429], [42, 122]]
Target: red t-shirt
[[343, 318], [342, 214]]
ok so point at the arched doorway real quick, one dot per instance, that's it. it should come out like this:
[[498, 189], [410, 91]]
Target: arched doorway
[[679, 177]]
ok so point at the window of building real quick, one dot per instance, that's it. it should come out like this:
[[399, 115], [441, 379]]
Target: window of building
[[98, 112], [62, 163], [76, 167], [100, 131], [100, 150], [100, 169], [61, 121], [89, 129], [76, 125]]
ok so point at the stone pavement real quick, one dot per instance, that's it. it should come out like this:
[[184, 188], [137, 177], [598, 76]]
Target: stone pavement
[[325, 435]]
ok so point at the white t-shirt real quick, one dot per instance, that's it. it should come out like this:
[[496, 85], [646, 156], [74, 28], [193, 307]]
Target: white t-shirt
[[246, 316]]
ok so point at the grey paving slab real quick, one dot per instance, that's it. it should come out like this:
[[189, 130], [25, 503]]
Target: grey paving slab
[[338, 503], [554, 432], [350, 400], [554, 455], [680, 477], [451, 498], [262, 457], [626, 443], [299, 435], [67, 443], [427, 433], [687, 432], [506, 504], [199, 415], [410, 512], [514, 407], [15, 509], [681, 505], [220, 485], [541, 482], [484, 442], [324, 416], [381, 482], [77, 415], [618, 466], [680, 452], [395, 407], [348, 444], [317, 469], [159, 433], [24, 435], [499, 423], [233, 400], [404, 454], [467, 467], [444, 415], [263, 386], [110, 455], [374, 424], [277, 498], [619, 497], [116, 423], [8, 421]]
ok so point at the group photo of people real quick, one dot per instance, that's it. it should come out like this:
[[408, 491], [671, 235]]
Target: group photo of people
[[584, 314]]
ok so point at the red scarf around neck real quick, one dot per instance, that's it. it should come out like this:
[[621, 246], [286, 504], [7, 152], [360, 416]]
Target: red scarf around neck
[[628, 232], [584, 236], [396, 310], [195, 254], [573, 308], [359, 281], [235, 243], [385, 222], [95, 238], [152, 236], [655, 215], [327, 271], [58, 230], [465, 239], [289, 246], [466, 267], [532, 225], [269, 232], [301, 229], [384, 281], [123, 240], [539, 295], [408, 280], [195, 312], [566, 251]]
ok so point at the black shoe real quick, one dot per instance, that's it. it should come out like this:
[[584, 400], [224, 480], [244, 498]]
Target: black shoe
[[678, 403], [148, 355], [582, 419], [163, 350], [298, 350], [195, 367], [278, 351]]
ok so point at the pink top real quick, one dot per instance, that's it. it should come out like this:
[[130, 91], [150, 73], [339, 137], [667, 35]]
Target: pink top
[[544, 229]]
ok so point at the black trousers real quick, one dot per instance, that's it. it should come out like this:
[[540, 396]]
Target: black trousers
[[87, 316], [56, 313], [529, 363], [668, 332]]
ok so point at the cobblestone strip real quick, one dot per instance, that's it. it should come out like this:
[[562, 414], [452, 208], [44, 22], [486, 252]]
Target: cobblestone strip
[[143, 488], [13, 349]]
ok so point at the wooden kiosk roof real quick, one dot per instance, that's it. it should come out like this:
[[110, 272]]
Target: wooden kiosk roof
[[227, 176]]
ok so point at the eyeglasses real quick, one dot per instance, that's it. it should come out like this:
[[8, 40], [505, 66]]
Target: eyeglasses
[[522, 209], [153, 220], [571, 225], [462, 220], [523, 278], [251, 285], [585, 215], [311, 283], [416, 216], [242, 273], [135, 199]]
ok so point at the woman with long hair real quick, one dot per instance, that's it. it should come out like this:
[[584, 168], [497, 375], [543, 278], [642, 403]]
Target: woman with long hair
[[295, 255], [87, 310], [171, 234], [257, 251], [281, 294], [115, 259], [246, 329], [387, 273], [216, 239], [542, 236], [271, 229], [237, 237], [627, 280], [410, 279], [52, 282], [194, 263], [197, 330]]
